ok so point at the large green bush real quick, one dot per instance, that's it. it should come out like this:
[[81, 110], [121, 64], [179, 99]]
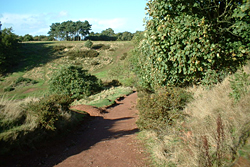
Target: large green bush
[[74, 81], [50, 110], [186, 39]]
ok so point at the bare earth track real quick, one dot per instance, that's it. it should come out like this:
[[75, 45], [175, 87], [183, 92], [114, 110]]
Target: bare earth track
[[108, 140]]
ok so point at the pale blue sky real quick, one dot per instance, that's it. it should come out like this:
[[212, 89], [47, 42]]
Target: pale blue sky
[[35, 16]]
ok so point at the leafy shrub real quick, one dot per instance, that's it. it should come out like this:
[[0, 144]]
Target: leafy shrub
[[185, 39], [100, 46], [82, 53], [162, 108], [74, 81], [50, 110], [240, 85], [88, 44]]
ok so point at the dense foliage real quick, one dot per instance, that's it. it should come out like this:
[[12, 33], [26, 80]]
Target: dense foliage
[[162, 108], [186, 39], [74, 81], [8, 50], [69, 30], [109, 35], [50, 110]]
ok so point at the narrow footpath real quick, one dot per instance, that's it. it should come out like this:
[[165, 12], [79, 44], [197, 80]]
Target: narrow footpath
[[108, 140]]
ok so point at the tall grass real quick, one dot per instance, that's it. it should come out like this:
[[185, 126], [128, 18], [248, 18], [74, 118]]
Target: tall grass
[[25, 123], [214, 130]]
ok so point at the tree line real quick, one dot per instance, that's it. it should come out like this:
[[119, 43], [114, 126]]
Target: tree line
[[78, 31], [69, 30]]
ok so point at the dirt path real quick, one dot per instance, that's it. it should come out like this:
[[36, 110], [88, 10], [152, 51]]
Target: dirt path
[[107, 141]]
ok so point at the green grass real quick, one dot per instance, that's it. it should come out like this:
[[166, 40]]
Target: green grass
[[106, 97], [102, 75]]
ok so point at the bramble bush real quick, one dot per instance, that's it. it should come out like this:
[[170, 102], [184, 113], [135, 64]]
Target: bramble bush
[[74, 81], [161, 108], [183, 40]]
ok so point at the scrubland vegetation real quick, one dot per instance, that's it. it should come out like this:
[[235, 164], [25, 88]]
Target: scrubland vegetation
[[37, 91], [193, 74], [190, 68]]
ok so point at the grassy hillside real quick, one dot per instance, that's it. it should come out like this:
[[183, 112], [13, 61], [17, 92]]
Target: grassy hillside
[[29, 112], [39, 60]]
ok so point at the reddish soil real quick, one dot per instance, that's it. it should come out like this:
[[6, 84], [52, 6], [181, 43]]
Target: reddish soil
[[30, 90], [242, 162], [108, 140]]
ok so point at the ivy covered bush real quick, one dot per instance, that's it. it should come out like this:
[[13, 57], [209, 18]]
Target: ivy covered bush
[[74, 81], [184, 40]]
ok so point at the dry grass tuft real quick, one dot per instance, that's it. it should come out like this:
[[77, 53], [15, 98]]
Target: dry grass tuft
[[214, 130]]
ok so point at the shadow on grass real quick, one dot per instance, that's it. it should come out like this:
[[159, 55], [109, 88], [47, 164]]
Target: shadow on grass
[[35, 55]]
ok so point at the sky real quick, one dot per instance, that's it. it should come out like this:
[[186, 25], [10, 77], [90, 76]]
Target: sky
[[34, 17]]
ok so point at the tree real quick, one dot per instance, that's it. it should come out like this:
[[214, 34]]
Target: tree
[[8, 50], [84, 29], [55, 31], [108, 32], [125, 36], [69, 30], [28, 37], [187, 39]]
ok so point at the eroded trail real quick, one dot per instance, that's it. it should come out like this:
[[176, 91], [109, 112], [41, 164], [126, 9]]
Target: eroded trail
[[107, 141]]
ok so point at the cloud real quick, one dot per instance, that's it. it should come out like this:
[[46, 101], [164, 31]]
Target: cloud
[[63, 14], [101, 24], [39, 24], [34, 24]]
